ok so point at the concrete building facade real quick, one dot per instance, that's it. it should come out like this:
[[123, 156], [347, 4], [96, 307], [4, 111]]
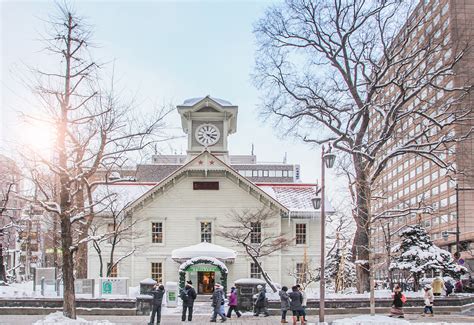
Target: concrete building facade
[[412, 182]]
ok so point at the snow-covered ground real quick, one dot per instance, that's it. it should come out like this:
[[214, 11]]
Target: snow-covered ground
[[379, 319], [58, 319], [313, 293], [25, 289]]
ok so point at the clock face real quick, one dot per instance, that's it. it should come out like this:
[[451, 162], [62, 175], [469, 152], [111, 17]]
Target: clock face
[[207, 134]]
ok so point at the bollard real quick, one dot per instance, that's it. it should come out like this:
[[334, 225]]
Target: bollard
[[42, 286]]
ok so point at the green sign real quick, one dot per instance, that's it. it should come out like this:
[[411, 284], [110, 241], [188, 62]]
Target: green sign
[[203, 268], [107, 287], [171, 295]]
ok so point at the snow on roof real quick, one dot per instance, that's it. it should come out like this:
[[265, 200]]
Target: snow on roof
[[208, 259], [253, 281], [204, 249], [114, 197], [295, 197], [194, 101]]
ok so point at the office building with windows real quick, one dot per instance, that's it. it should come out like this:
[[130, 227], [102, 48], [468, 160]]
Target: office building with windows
[[443, 199]]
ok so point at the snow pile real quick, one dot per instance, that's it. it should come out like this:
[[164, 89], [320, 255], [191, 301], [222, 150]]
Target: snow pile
[[59, 318], [370, 320], [203, 259]]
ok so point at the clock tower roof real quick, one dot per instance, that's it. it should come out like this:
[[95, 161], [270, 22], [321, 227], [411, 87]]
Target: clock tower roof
[[208, 106], [194, 101]]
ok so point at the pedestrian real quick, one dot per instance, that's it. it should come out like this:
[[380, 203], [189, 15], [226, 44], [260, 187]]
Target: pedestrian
[[438, 286], [157, 292], [398, 300], [458, 287], [261, 302], [428, 300], [296, 305], [188, 295], [305, 300], [233, 303], [285, 303], [449, 288], [218, 300]]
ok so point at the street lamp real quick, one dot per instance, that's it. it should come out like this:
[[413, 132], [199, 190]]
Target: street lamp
[[327, 161]]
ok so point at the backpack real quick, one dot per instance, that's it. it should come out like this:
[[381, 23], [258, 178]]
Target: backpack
[[184, 296]]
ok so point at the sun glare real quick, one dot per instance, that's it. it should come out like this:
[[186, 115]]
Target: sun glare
[[38, 137]]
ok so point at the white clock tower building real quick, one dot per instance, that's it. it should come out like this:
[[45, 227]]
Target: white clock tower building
[[208, 122]]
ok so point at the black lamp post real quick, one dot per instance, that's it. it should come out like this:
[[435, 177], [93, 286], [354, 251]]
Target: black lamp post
[[327, 161]]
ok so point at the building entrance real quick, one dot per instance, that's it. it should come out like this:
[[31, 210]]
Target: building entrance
[[206, 282]]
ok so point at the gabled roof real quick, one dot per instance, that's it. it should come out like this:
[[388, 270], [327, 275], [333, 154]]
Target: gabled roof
[[204, 162], [217, 105], [194, 101]]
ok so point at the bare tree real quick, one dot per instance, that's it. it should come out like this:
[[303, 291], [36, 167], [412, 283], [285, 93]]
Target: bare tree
[[310, 274], [112, 227], [93, 130], [9, 209], [6, 222], [251, 229], [354, 73]]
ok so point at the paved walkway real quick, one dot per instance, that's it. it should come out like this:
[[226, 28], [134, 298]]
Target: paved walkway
[[244, 320]]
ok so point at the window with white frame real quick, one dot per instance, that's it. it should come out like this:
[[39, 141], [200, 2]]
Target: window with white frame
[[157, 271], [300, 233], [256, 233], [301, 272], [206, 232], [157, 232], [255, 271]]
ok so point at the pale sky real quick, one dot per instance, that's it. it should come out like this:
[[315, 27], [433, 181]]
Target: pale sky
[[165, 52]]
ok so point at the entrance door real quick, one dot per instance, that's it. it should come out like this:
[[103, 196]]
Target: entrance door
[[206, 282]]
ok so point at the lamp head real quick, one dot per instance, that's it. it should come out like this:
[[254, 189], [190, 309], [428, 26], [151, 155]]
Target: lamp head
[[316, 203], [329, 159]]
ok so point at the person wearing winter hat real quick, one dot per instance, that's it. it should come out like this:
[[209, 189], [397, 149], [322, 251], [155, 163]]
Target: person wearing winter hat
[[261, 302], [428, 300], [233, 303], [218, 301], [188, 295]]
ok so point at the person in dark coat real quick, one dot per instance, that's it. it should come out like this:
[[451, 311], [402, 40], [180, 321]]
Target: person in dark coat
[[218, 300], [296, 305], [449, 288], [398, 301], [233, 303], [261, 302], [188, 295], [284, 303], [157, 292]]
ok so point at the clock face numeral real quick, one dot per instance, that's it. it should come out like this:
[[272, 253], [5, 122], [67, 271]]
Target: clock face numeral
[[207, 134]]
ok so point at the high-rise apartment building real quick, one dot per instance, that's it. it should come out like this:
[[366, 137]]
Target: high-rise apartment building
[[441, 200]]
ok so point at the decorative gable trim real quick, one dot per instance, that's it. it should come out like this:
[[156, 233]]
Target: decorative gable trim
[[208, 164]]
